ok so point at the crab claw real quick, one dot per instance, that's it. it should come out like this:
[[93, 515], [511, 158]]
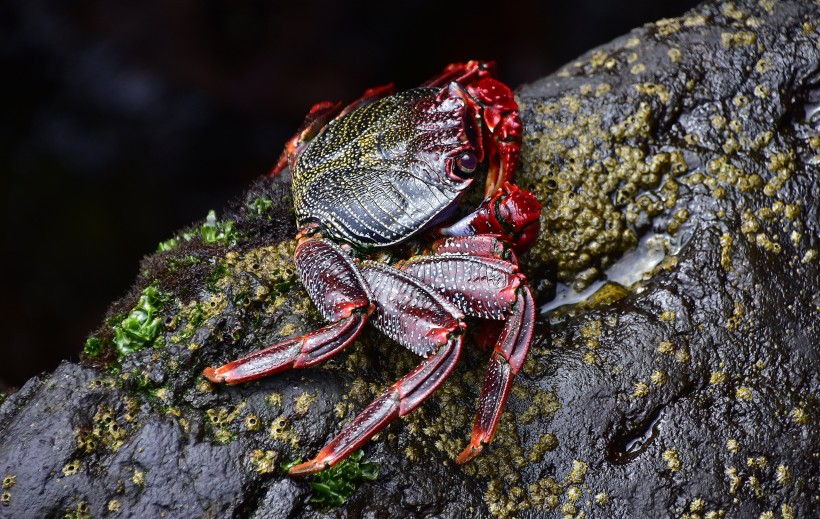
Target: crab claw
[[512, 214], [518, 213]]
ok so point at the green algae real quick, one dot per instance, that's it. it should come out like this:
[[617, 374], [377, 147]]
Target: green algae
[[142, 326], [260, 206], [212, 231], [93, 347], [334, 486], [169, 244]]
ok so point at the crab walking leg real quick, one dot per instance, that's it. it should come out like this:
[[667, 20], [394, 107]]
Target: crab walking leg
[[471, 71], [480, 245], [483, 287], [505, 363], [337, 288], [489, 288], [299, 352], [420, 320], [399, 399]]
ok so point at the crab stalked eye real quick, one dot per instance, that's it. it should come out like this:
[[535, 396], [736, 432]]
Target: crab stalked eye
[[466, 164]]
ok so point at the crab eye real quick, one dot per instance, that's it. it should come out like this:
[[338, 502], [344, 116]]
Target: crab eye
[[467, 162]]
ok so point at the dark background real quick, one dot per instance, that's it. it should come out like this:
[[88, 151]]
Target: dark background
[[121, 122]]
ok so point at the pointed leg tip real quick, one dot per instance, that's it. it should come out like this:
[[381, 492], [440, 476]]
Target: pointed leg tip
[[469, 454], [309, 467], [213, 375]]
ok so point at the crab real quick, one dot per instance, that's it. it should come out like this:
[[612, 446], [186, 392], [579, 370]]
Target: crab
[[382, 178]]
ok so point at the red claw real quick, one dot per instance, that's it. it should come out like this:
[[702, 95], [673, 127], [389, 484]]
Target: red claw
[[512, 214], [518, 212]]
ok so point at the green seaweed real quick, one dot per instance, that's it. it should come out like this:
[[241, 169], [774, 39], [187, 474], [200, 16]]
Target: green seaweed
[[167, 245], [334, 486], [93, 347], [260, 205], [142, 325], [211, 231]]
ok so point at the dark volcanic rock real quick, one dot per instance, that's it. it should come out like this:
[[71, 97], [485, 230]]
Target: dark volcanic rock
[[678, 169]]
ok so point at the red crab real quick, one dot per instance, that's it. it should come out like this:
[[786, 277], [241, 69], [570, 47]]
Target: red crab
[[388, 171]]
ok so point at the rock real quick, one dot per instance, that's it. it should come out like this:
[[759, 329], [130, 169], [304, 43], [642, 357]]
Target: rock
[[678, 169]]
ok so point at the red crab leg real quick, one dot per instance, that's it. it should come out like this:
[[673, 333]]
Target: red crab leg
[[490, 289], [369, 95], [424, 322], [506, 361], [299, 352], [462, 73], [481, 287], [340, 293], [482, 245], [399, 399], [408, 311]]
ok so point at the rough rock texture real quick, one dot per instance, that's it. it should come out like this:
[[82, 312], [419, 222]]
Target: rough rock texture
[[689, 392]]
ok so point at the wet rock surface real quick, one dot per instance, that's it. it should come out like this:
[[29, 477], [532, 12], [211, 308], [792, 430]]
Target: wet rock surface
[[689, 392]]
